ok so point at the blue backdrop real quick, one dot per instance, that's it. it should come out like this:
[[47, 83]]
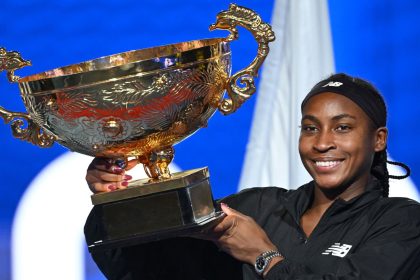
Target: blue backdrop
[[376, 39]]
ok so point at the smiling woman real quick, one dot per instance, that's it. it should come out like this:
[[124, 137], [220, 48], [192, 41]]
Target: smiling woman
[[337, 144], [342, 225], [353, 131], [343, 133]]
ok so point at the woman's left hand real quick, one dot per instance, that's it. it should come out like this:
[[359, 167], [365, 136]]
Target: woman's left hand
[[240, 236]]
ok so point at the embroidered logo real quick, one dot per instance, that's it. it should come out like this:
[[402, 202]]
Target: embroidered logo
[[333, 84], [338, 250]]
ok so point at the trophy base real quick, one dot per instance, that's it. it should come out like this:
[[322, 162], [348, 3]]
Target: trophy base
[[154, 210]]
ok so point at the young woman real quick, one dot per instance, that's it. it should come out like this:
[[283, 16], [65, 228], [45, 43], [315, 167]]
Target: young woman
[[341, 225]]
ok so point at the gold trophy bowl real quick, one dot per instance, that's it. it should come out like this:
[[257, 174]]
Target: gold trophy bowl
[[138, 104]]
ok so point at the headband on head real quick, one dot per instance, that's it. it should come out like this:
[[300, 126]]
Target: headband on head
[[368, 100]]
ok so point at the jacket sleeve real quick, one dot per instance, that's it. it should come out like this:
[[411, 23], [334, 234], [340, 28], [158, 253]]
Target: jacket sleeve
[[390, 251]]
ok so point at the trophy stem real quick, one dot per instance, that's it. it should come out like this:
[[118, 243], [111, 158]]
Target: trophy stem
[[156, 163]]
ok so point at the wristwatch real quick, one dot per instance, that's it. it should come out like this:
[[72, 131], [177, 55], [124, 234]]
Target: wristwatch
[[264, 260]]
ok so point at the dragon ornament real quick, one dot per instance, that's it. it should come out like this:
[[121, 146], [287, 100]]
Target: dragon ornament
[[263, 34], [10, 61]]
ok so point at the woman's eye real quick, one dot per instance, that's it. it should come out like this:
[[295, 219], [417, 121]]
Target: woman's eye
[[308, 128], [343, 127]]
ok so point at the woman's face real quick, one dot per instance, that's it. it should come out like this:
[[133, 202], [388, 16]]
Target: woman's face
[[337, 141]]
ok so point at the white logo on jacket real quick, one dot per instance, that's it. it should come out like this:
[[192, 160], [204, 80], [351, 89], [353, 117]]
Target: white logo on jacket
[[333, 84], [338, 250]]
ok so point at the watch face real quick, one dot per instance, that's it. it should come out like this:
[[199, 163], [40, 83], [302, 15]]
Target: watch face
[[264, 260], [260, 263]]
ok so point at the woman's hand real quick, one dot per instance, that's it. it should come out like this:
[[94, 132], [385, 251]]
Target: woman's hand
[[104, 175], [241, 237]]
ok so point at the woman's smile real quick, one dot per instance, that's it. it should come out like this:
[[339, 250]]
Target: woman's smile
[[325, 165]]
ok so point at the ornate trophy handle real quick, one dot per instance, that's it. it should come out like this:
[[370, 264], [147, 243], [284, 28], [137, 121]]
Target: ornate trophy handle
[[228, 20], [10, 61]]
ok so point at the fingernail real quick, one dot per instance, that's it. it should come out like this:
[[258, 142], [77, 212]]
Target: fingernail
[[127, 177], [112, 187], [124, 183], [224, 205]]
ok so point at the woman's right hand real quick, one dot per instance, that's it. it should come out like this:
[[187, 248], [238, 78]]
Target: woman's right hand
[[104, 175]]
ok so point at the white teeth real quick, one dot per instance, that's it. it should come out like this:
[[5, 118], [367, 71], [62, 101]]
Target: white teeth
[[327, 163]]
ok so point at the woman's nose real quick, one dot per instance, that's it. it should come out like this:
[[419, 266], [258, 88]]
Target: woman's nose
[[324, 142]]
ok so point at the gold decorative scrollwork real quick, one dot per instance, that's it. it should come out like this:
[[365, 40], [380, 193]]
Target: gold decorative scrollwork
[[263, 34], [31, 133], [10, 61], [156, 163]]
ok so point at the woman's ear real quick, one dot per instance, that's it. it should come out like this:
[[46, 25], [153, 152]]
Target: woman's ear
[[381, 136]]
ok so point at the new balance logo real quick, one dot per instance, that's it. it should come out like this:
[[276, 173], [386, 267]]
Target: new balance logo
[[338, 250], [333, 84]]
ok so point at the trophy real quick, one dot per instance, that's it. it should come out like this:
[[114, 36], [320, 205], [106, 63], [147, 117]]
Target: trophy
[[138, 104]]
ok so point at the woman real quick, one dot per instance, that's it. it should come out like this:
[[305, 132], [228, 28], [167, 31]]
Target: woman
[[342, 225]]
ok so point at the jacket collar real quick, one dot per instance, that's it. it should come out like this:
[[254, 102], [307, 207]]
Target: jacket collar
[[298, 201]]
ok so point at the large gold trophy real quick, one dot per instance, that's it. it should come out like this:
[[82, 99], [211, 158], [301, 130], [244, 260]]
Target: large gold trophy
[[138, 104]]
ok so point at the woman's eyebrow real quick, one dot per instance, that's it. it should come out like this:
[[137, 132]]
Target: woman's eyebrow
[[341, 116], [310, 117], [335, 118]]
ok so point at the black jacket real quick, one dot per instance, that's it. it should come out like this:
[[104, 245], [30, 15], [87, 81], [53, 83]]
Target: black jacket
[[368, 237]]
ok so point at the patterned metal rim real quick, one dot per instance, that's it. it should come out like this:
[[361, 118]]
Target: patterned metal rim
[[26, 89], [124, 64]]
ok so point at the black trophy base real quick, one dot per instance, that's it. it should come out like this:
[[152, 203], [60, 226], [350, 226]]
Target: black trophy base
[[150, 211]]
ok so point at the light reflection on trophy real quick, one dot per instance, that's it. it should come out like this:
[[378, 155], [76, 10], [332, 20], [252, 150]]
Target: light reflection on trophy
[[138, 104]]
